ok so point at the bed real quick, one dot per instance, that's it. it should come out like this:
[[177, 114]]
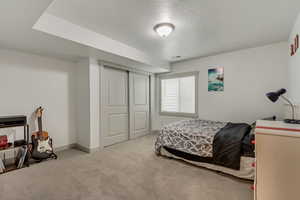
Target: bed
[[220, 146]]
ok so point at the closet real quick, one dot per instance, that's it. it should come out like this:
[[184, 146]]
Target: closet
[[125, 105]]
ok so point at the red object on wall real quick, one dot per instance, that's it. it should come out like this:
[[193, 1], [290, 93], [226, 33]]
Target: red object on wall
[[295, 46], [292, 50], [3, 141]]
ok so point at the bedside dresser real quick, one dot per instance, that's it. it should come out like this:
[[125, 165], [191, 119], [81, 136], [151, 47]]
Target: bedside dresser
[[277, 149]]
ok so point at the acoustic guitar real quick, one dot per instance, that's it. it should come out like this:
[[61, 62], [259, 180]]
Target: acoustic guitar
[[42, 143]]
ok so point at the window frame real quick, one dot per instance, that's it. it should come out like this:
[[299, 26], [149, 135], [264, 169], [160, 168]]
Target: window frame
[[179, 75]]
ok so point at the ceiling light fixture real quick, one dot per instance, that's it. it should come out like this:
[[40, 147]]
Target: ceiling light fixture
[[176, 57], [164, 29]]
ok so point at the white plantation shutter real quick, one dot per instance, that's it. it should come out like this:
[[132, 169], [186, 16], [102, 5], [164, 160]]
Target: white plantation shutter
[[178, 95], [170, 95]]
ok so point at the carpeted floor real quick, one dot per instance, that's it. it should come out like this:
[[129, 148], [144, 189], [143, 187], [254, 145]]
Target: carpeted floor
[[124, 171]]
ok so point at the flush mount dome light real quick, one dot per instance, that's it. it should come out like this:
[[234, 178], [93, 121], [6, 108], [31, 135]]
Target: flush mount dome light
[[164, 29], [176, 57]]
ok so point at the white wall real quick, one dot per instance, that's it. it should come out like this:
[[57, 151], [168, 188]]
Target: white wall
[[83, 104], [294, 69], [88, 104], [249, 74], [94, 76], [28, 81]]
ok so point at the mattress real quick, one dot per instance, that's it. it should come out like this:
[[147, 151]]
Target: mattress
[[246, 170]]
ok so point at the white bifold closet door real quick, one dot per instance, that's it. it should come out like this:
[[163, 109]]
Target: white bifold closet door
[[125, 105], [139, 104], [115, 106]]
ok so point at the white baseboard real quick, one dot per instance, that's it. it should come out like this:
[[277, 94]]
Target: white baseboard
[[85, 149], [76, 146], [66, 147]]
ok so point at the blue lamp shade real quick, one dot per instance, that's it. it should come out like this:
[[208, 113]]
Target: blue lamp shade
[[274, 96]]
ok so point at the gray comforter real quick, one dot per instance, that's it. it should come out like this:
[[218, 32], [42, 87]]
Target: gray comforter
[[191, 136], [214, 142]]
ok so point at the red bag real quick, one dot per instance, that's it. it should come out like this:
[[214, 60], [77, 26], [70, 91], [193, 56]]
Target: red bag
[[3, 141]]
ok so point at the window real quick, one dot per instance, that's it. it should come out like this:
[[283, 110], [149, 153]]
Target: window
[[178, 94]]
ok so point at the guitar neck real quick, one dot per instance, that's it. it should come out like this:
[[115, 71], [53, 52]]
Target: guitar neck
[[40, 125]]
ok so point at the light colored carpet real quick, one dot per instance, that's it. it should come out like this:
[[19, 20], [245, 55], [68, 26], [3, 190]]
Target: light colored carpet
[[124, 171]]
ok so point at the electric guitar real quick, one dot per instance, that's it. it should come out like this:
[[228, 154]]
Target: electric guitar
[[42, 143], [40, 134]]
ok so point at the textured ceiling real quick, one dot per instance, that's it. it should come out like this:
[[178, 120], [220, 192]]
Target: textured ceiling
[[17, 19], [203, 27]]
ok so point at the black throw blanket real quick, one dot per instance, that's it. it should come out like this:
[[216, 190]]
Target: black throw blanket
[[227, 145]]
